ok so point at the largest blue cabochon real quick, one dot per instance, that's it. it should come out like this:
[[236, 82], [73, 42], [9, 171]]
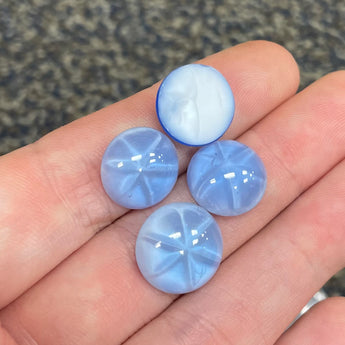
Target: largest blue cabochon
[[179, 248], [139, 168], [195, 104], [227, 178]]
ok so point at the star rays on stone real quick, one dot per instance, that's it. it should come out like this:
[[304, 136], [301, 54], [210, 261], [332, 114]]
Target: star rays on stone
[[188, 247]]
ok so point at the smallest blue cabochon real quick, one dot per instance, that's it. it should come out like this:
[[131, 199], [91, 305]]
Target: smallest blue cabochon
[[179, 248], [195, 104], [227, 178], [139, 168]]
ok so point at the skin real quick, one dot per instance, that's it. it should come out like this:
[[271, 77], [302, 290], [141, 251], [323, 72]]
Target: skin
[[67, 266]]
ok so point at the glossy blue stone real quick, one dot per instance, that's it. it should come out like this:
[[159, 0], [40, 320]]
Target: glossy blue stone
[[195, 104], [139, 168], [227, 178], [179, 248]]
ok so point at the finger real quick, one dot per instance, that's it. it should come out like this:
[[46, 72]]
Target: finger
[[51, 197], [324, 324], [108, 260], [259, 290], [5, 338], [287, 141]]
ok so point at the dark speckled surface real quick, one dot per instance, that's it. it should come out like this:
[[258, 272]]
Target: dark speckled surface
[[60, 60]]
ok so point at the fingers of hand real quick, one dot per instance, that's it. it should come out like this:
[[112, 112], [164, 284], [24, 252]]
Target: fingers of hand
[[108, 259], [53, 200], [260, 289], [324, 324]]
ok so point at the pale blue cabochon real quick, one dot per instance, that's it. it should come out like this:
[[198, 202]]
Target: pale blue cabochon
[[227, 178], [195, 104], [139, 168], [179, 248]]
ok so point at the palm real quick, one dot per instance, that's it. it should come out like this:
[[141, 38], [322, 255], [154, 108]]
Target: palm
[[68, 251]]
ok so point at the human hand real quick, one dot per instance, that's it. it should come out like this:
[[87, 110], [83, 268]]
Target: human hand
[[67, 265]]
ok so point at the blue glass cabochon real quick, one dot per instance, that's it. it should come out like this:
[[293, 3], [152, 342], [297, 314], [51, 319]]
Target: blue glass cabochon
[[179, 248], [139, 168], [227, 178]]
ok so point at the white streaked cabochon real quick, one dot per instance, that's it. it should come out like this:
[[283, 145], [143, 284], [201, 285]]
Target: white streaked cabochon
[[195, 104]]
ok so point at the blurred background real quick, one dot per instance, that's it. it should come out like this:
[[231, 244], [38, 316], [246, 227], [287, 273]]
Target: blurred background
[[62, 59]]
